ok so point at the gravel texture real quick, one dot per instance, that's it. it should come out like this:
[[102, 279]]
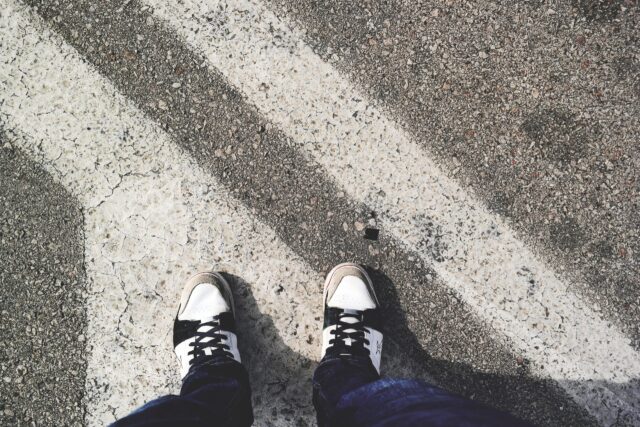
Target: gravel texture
[[263, 170], [42, 312], [534, 105]]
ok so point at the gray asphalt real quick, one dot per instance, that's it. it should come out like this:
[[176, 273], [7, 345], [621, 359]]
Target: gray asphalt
[[533, 105], [42, 312], [268, 173], [541, 120]]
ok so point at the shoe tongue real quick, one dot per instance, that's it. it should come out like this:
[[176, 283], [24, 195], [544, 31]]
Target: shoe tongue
[[206, 328], [349, 319], [203, 327], [353, 318]]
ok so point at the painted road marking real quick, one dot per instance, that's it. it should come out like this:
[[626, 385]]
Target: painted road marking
[[152, 217], [378, 164]]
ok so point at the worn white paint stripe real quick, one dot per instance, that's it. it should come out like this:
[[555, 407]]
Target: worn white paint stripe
[[378, 164], [152, 217]]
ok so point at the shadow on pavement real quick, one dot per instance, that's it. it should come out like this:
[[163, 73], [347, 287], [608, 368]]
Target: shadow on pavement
[[281, 377], [42, 295]]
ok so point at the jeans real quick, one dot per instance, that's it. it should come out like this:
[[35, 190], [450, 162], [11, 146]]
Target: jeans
[[215, 392], [347, 391]]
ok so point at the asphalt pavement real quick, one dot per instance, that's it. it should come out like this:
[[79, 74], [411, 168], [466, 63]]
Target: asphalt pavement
[[43, 359], [481, 159]]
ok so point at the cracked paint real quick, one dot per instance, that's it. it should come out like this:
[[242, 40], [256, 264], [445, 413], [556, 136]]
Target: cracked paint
[[152, 218], [380, 165]]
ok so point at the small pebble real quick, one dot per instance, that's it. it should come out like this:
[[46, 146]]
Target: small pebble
[[371, 233]]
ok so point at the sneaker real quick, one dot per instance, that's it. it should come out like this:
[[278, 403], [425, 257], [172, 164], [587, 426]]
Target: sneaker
[[351, 315], [205, 324]]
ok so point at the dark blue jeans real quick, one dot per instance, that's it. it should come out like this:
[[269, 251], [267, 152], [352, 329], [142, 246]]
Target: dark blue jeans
[[215, 392], [346, 392], [349, 392]]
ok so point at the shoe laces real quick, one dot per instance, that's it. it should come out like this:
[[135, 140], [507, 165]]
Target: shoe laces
[[349, 334], [209, 336]]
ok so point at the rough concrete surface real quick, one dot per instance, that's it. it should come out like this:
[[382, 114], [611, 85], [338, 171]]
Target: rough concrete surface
[[533, 106], [42, 310], [148, 229]]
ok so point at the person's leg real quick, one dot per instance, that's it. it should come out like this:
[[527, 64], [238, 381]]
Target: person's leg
[[347, 389], [352, 342], [215, 387], [212, 391], [394, 402], [334, 378]]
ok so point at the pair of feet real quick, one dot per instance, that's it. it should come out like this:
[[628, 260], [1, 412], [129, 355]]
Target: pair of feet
[[205, 324]]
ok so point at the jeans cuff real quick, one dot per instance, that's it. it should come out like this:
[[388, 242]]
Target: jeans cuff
[[357, 362], [213, 367]]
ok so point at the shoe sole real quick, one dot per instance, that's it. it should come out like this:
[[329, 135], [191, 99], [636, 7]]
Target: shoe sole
[[353, 265], [195, 280]]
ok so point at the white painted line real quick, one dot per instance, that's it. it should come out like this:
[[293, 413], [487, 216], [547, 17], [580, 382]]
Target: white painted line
[[378, 164], [152, 217]]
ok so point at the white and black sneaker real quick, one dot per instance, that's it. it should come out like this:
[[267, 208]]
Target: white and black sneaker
[[205, 324], [352, 323]]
